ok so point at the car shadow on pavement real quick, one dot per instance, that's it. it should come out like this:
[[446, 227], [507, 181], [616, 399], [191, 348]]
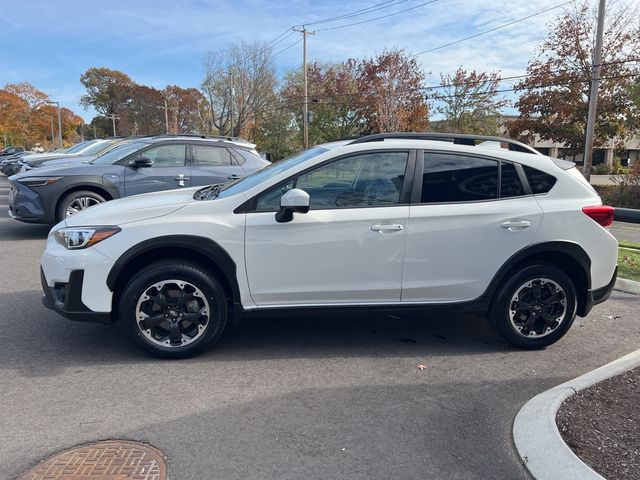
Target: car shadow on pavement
[[23, 231], [48, 343]]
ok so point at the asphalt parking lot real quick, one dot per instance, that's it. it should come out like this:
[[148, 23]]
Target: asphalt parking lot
[[282, 398]]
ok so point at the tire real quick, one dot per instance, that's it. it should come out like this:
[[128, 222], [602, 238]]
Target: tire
[[150, 315], [90, 198], [531, 322]]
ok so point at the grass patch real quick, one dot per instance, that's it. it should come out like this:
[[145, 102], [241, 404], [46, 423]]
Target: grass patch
[[627, 244], [629, 262]]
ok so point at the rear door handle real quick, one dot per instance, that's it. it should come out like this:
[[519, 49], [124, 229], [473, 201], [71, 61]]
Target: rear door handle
[[515, 225], [396, 227], [234, 177], [180, 179]]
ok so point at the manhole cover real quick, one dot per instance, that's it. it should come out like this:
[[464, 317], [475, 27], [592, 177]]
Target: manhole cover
[[107, 460]]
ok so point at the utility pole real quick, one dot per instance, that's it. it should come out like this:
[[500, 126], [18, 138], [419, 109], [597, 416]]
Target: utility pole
[[593, 95], [305, 105], [232, 91], [95, 134], [166, 117], [52, 135]]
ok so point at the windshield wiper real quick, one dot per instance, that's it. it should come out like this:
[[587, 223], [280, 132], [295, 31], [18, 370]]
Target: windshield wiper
[[208, 193]]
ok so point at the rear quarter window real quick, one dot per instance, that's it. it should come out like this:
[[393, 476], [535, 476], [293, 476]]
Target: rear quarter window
[[540, 182]]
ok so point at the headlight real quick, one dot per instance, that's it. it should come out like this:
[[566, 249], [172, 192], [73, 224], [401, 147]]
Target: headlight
[[38, 181], [74, 238]]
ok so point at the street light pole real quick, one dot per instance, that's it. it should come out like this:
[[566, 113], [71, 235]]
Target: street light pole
[[52, 135], [593, 95], [57, 104]]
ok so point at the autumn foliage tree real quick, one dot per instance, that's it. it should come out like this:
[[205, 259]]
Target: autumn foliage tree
[[555, 94], [26, 117], [469, 102], [334, 100], [391, 85]]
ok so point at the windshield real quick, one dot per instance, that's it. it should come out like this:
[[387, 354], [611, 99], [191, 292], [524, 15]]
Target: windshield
[[260, 176], [78, 146], [119, 152], [98, 147]]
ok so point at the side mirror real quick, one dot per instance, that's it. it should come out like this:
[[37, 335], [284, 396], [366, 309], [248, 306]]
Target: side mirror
[[142, 162], [295, 200]]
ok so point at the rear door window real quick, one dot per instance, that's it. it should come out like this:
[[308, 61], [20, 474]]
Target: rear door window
[[450, 178]]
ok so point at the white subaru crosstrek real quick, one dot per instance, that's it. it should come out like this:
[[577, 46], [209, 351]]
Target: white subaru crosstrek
[[391, 221]]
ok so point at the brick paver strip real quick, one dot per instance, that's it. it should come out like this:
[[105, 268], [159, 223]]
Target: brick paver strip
[[106, 460]]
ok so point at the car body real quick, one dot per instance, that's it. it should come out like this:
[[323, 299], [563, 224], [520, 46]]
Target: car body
[[48, 194], [387, 222]]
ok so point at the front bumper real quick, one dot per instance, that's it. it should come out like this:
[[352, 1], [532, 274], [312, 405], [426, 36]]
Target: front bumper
[[66, 299], [26, 205], [599, 295], [75, 282]]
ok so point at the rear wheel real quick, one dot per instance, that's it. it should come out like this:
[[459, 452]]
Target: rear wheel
[[535, 307], [77, 201], [173, 309]]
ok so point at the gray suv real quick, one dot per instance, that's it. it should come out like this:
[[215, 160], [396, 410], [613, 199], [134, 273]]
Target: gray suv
[[51, 193]]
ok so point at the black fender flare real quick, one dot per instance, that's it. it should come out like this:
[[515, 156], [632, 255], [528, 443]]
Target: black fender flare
[[566, 248], [203, 246]]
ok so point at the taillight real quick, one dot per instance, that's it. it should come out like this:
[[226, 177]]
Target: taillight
[[601, 214]]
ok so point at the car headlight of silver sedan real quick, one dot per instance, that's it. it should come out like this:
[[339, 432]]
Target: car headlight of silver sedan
[[75, 238]]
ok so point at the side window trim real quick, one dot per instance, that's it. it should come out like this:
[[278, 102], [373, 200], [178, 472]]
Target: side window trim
[[523, 180], [250, 205]]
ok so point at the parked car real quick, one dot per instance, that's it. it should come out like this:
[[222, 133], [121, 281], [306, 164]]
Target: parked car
[[89, 148], [12, 164], [11, 151], [386, 222], [50, 194]]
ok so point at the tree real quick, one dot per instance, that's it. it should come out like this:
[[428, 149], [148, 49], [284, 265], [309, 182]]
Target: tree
[[391, 87], [25, 116], [187, 106], [107, 90], [555, 94], [334, 99], [239, 83], [469, 102]]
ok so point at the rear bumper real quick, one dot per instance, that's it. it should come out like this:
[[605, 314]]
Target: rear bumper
[[599, 295], [66, 299]]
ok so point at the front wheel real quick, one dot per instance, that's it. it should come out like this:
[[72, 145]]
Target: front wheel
[[535, 307], [76, 201], [173, 309]]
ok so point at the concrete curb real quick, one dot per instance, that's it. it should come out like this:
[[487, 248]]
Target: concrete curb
[[536, 435], [628, 286]]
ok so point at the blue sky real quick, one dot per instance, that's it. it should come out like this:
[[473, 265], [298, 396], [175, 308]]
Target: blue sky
[[51, 43]]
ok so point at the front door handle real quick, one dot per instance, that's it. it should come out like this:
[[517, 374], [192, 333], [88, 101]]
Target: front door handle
[[233, 177], [396, 227], [515, 225]]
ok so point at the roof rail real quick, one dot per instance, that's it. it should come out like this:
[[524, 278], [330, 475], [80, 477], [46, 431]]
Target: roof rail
[[199, 135], [457, 138]]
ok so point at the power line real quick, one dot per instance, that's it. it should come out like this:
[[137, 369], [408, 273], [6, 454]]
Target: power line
[[377, 18], [287, 48], [373, 8], [435, 87], [492, 29]]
